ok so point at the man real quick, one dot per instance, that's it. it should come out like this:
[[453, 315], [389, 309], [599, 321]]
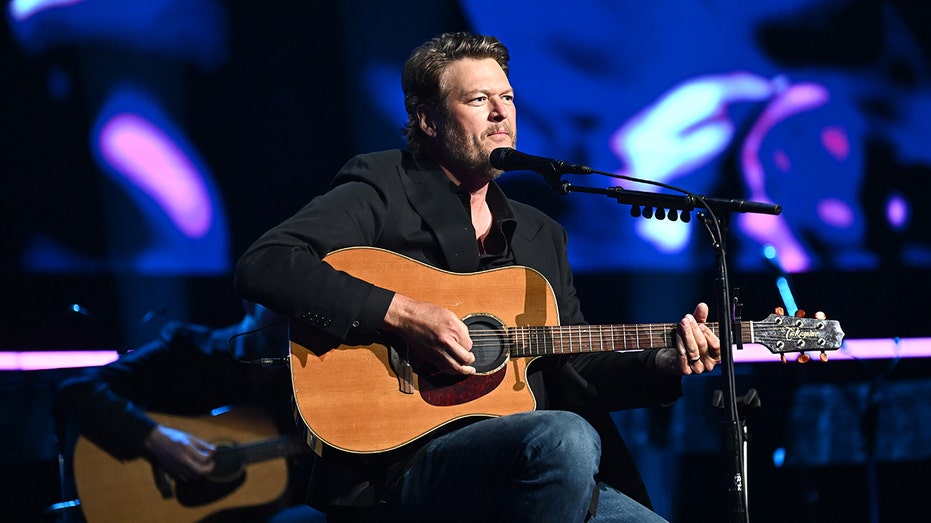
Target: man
[[438, 204], [187, 372]]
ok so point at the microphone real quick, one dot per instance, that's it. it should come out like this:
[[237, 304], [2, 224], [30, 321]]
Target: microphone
[[508, 159]]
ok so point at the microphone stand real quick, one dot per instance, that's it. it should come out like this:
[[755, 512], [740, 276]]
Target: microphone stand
[[675, 207]]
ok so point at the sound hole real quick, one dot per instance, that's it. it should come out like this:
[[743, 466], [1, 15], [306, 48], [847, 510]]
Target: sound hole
[[488, 343], [490, 349]]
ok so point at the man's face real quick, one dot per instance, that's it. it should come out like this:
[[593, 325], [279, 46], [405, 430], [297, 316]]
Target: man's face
[[478, 117]]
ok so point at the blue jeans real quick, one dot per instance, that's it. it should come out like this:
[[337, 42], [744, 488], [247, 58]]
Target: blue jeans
[[534, 466]]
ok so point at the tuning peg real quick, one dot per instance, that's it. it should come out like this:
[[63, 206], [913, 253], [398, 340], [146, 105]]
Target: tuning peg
[[780, 311], [821, 316], [800, 313], [782, 356], [824, 356], [803, 358]]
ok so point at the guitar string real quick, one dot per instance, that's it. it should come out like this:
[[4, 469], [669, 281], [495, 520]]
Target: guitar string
[[553, 336], [605, 334]]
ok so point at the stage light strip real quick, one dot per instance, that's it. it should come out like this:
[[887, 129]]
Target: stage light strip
[[862, 349], [65, 359]]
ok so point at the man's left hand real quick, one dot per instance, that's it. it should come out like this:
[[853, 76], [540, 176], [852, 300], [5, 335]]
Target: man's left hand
[[697, 350]]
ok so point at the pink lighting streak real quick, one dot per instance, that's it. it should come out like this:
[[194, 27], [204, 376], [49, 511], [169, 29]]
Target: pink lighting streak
[[773, 230], [44, 360], [149, 159]]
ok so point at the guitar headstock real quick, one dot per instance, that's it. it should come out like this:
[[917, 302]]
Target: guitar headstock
[[782, 334]]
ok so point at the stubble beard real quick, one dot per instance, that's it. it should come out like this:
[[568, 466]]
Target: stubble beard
[[467, 154]]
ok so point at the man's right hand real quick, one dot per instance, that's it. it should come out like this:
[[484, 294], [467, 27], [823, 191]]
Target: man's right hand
[[182, 455], [435, 333]]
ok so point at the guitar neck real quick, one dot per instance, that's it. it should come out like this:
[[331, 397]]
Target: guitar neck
[[285, 446], [574, 339]]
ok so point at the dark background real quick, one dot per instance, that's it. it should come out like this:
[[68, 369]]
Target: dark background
[[305, 86]]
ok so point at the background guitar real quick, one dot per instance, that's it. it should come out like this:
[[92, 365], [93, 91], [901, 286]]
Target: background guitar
[[251, 471]]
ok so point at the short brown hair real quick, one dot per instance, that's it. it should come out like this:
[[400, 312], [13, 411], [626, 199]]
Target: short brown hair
[[420, 79]]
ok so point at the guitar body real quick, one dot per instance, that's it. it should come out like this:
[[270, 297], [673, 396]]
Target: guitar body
[[113, 490], [370, 396], [358, 398]]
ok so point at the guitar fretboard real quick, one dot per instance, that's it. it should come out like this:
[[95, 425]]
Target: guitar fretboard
[[573, 339], [284, 446]]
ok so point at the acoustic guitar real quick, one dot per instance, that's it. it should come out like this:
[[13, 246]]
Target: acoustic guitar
[[250, 471], [372, 397]]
